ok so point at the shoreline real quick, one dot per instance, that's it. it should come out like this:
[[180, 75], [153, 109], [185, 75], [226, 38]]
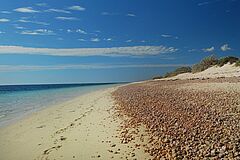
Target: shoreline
[[85, 127], [23, 115]]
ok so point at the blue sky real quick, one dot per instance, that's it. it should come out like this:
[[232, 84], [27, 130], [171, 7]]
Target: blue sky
[[52, 41]]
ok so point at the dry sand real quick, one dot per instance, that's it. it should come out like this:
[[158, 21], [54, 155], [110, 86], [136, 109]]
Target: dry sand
[[83, 128]]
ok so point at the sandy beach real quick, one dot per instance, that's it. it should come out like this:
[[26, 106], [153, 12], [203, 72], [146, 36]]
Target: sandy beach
[[83, 128], [196, 118]]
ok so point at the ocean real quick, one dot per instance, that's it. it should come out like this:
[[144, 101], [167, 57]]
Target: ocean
[[17, 101]]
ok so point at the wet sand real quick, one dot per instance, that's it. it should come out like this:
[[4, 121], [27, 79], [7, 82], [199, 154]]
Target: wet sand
[[83, 128]]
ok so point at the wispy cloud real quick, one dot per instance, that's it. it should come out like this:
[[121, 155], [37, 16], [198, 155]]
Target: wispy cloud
[[95, 39], [169, 36], [225, 47], [76, 31], [17, 68], [211, 49], [67, 18], [81, 31], [26, 10], [129, 40], [5, 12], [77, 8], [38, 32], [1, 32], [114, 51], [107, 39], [203, 3], [34, 22], [41, 4], [109, 14], [209, 2], [19, 27], [131, 15], [4, 20], [57, 10], [81, 39]]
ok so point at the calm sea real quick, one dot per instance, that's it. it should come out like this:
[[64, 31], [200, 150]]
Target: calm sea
[[17, 101]]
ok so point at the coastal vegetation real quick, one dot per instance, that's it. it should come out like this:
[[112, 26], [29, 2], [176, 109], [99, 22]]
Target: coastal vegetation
[[179, 70], [228, 59], [204, 64], [237, 64]]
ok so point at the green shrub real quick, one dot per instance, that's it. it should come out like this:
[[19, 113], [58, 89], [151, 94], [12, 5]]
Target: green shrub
[[179, 70], [205, 64], [183, 70], [157, 77], [237, 64], [227, 59]]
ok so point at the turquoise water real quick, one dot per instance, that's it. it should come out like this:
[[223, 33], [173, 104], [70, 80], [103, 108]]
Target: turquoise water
[[18, 101]]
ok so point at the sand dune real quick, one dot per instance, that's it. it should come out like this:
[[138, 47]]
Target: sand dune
[[228, 70]]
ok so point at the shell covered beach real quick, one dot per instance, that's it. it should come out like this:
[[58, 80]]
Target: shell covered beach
[[183, 119]]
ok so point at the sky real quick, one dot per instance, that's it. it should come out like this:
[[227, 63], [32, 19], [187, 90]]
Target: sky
[[84, 41]]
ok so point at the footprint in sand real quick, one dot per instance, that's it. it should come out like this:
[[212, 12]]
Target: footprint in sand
[[42, 126]]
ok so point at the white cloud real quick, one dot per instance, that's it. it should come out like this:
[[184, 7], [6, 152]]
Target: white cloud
[[38, 32], [166, 35], [225, 47], [19, 27], [109, 14], [128, 41], [66, 18], [69, 31], [41, 4], [114, 51], [83, 40], [203, 3], [4, 20], [169, 36], [1, 32], [107, 39], [81, 31], [76, 31], [34, 22], [208, 49], [26, 10], [60, 39], [58, 11], [77, 8], [131, 15], [6, 12], [16, 68], [95, 39]]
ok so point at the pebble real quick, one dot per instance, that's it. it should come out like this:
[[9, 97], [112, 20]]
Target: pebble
[[197, 123]]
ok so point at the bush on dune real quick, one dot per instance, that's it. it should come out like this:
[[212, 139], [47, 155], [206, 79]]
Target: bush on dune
[[205, 64], [157, 77], [179, 70], [228, 59], [237, 64]]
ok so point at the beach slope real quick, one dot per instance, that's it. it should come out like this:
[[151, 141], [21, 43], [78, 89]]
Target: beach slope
[[83, 128]]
